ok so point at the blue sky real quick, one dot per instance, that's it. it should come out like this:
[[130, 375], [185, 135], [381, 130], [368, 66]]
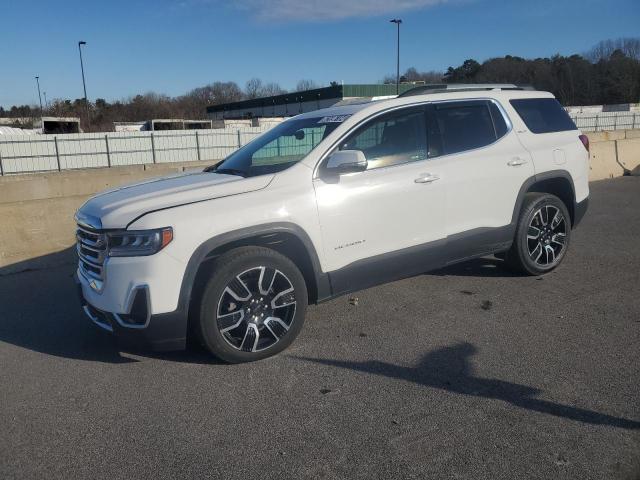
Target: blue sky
[[170, 47]]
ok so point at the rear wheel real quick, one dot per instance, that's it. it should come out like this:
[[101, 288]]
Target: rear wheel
[[253, 306], [542, 235]]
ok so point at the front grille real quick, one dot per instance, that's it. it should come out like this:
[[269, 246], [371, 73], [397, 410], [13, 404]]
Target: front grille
[[92, 251]]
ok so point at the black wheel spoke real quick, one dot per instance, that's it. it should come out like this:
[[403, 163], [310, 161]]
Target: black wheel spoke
[[238, 289], [550, 254], [533, 233], [559, 239], [541, 220], [537, 252], [266, 279], [229, 321], [250, 339], [276, 326], [285, 298]]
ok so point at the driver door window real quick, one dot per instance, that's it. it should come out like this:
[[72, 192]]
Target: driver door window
[[391, 139]]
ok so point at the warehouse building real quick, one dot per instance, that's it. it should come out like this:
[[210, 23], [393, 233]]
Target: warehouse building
[[162, 124], [290, 104]]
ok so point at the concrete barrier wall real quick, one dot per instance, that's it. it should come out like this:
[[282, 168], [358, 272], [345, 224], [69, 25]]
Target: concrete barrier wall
[[36, 210], [628, 155], [604, 163], [614, 153]]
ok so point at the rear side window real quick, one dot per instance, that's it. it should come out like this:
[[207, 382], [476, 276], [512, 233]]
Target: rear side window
[[459, 126], [543, 115]]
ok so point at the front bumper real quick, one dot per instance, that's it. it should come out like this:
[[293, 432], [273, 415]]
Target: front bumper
[[139, 328]]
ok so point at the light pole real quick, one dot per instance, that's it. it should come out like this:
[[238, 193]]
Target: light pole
[[39, 96], [397, 21], [84, 85]]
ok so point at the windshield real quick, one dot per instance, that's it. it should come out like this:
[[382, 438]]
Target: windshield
[[280, 147]]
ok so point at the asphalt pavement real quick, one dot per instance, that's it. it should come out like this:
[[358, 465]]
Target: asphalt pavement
[[469, 372]]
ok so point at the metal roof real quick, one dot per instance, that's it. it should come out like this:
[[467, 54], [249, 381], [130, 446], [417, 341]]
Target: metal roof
[[332, 92], [15, 131]]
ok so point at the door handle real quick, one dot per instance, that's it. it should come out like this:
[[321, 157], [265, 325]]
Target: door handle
[[427, 178], [516, 162]]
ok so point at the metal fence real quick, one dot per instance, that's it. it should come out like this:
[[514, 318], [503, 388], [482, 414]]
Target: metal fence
[[38, 153], [590, 122]]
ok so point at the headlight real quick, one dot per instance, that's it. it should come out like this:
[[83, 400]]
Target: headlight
[[138, 243]]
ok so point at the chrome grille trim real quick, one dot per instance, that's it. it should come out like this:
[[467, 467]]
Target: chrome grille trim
[[89, 261], [91, 246], [87, 242]]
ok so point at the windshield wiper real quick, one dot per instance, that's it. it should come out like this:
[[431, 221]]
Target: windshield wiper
[[229, 171]]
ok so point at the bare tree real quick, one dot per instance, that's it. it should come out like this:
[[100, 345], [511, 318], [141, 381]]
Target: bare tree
[[271, 89], [413, 75], [630, 47], [256, 88], [431, 76], [306, 85], [253, 88], [224, 92]]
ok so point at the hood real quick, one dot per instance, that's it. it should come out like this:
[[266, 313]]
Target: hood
[[118, 207]]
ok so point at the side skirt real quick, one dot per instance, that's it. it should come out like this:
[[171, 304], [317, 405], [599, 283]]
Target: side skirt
[[419, 259]]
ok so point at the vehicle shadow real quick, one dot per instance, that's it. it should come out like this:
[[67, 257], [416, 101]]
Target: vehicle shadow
[[40, 311], [477, 267], [449, 369]]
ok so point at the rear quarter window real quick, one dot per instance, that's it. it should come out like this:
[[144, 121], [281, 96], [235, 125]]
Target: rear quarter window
[[543, 115]]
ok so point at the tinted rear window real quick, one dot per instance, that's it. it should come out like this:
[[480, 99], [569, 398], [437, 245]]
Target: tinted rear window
[[462, 127], [543, 115]]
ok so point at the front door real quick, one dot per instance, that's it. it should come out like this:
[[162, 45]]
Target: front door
[[386, 220]]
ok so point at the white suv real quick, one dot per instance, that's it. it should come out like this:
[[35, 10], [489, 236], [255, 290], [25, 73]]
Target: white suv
[[330, 202]]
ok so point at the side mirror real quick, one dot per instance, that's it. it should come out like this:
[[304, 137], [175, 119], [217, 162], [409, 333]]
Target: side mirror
[[346, 161]]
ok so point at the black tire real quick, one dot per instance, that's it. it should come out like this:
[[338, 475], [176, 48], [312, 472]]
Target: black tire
[[540, 242], [251, 288]]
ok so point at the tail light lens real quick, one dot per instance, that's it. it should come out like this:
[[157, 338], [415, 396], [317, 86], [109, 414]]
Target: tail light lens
[[585, 141]]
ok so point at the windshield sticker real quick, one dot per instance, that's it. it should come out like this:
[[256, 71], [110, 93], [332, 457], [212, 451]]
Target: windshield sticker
[[334, 119]]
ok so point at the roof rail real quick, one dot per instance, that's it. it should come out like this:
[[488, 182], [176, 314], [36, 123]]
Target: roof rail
[[461, 87]]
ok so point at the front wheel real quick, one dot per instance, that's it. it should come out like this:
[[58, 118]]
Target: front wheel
[[542, 235], [253, 306]]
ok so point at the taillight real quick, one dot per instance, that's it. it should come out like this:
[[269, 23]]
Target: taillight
[[585, 141]]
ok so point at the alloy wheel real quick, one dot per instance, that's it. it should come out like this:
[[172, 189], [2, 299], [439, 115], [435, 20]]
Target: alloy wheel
[[546, 236], [256, 309]]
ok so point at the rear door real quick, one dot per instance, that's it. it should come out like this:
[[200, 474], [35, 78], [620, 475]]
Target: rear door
[[484, 165]]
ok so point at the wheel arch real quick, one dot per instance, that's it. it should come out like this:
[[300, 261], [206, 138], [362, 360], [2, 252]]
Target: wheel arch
[[555, 182], [287, 239]]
